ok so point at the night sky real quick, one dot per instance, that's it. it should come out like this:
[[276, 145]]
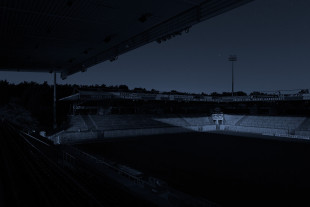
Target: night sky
[[270, 38]]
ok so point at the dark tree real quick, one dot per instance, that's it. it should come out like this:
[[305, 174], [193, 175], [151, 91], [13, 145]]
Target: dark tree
[[304, 91], [139, 90], [123, 88], [215, 94], [255, 93], [226, 94], [240, 93], [154, 91]]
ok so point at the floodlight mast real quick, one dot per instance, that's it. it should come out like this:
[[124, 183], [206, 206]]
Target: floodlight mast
[[232, 59]]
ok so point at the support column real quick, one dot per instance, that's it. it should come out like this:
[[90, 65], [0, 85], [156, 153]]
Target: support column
[[232, 78], [232, 58], [54, 107]]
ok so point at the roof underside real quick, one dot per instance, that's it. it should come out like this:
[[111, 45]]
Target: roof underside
[[68, 36]]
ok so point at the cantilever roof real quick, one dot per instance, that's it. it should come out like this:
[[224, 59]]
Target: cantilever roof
[[68, 36], [94, 95]]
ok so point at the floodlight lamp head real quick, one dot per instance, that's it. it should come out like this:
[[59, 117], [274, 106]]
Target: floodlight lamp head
[[232, 58]]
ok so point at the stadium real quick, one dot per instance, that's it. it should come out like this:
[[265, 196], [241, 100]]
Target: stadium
[[69, 145], [100, 115]]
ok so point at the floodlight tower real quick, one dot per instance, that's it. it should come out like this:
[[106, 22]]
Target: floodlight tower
[[232, 59]]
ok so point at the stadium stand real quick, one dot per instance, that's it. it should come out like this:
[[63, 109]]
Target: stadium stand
[[272, 122], [172, 120], [240, 120], [198, 121], [111, 122], [177, 121], [305, 125], [77, 124], [134, 121], [255, 124], [89, 122], [232, 119]]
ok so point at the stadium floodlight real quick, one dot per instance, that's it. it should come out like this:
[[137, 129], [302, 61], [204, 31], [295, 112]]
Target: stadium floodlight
[[232, 59]]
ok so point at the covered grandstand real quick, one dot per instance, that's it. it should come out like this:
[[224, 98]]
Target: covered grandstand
[[98, 114], [98, 127]]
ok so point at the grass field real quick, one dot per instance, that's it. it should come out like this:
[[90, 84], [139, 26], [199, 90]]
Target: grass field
[[228, 169]]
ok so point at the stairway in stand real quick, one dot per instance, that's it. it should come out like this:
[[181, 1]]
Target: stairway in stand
[[241, 120], [88, 122], [305, 125]]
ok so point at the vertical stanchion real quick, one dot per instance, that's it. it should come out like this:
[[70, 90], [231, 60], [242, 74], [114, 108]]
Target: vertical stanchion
[[54, 106]]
